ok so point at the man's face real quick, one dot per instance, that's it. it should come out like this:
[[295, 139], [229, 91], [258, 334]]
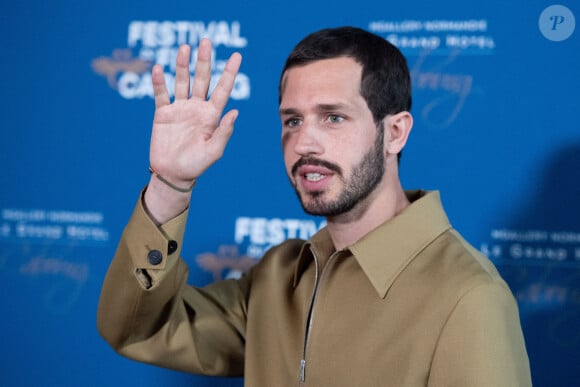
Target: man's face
[[333, 151]]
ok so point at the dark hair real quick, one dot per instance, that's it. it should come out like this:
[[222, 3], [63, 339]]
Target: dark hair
[[385, 83]]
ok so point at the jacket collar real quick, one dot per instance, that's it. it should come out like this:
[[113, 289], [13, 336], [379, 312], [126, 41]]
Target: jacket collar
[[385, 251]]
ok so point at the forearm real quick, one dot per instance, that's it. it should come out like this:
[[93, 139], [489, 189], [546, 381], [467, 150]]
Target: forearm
[[148, 312], [132, 276]]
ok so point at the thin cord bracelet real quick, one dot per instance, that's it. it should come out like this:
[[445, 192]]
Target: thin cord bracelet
[[171, 185]]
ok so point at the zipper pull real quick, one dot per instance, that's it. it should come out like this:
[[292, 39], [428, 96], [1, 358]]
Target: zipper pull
[[302, 370]]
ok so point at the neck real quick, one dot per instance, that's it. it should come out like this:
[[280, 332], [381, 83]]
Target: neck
[[386, 202]]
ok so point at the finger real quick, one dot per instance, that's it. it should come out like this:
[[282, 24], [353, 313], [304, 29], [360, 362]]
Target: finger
[[159, 88], [182, 72], [202, 77], [223, 133], [221, 93]]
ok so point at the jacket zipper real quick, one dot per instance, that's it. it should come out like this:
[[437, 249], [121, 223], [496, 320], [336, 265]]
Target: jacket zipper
[[317, 280]]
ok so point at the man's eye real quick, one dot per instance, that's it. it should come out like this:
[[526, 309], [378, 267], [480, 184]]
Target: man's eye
[[293, 122], [335, 118]]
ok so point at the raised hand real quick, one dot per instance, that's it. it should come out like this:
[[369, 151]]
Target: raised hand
[[191, 133]]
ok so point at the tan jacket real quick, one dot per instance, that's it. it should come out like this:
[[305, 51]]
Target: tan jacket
[[411, 304]]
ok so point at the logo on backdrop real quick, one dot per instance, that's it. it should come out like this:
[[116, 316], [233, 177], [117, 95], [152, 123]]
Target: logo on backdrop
[[439, 37], [449, 90], [257, 235], [46, 247], [227, 263], [533, 246], [541, 267], [557, 23], [128, 70], [254, 236], [445, 40], [58, 226]]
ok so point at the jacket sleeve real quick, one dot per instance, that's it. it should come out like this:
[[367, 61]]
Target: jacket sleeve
[[482, 343], [147, 312]]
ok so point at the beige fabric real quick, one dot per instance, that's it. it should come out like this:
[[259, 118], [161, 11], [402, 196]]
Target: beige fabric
[[411, 304]]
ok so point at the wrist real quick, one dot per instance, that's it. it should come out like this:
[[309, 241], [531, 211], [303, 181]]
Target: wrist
[[179, 188], [162, 202]]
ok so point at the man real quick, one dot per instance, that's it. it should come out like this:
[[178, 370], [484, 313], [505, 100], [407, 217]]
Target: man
[[387, 294]]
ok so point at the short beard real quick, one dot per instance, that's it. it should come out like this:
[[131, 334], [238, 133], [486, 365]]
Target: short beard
[[365, 177]]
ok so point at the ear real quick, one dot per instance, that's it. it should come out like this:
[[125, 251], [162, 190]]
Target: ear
[[397, 129]]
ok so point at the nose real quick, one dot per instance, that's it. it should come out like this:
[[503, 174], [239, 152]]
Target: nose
[[307, 141]]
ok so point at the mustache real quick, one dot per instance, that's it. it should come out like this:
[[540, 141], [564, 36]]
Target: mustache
[[318, 162]]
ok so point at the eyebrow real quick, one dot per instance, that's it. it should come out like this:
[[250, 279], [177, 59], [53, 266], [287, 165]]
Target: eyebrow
[[323, 107], [288, 112]]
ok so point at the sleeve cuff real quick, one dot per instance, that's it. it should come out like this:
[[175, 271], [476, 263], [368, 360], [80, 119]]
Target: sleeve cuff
[[151, 246]]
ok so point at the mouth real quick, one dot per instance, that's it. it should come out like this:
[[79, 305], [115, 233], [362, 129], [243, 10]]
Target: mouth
[[314, 176]]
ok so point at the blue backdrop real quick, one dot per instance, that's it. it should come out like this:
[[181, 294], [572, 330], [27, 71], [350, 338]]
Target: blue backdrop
[[496, 130]]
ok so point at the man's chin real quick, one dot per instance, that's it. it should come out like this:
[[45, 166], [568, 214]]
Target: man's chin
[[315, 206], [313, 202]]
